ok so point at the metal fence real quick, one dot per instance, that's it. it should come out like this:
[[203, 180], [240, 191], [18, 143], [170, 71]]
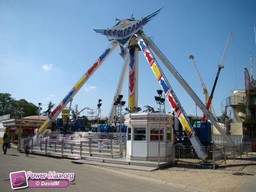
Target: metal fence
[[71, 146], [217, 153], [237, 139], [112, 145]]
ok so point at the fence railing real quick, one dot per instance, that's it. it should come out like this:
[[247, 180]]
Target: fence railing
[[93, 145], [237, 139], [217, 153], [112, 145]]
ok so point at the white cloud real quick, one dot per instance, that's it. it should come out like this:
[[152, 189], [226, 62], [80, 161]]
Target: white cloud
[[47, 67], [50, 97], [90, 88]]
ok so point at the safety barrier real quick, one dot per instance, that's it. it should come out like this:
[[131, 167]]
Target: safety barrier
[[218, 153], [75, 147], [237, 139]]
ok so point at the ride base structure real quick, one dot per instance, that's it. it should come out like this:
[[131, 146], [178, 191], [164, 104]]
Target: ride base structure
[[129, 35]]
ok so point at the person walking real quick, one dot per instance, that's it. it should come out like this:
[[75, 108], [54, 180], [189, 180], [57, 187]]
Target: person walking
[[6, 143], [26, 147]]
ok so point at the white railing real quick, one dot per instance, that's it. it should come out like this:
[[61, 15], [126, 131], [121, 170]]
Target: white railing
[[76, 146], [237, 139]]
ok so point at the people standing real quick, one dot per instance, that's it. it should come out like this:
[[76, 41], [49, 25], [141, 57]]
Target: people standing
[[7, 141], [26, 147]]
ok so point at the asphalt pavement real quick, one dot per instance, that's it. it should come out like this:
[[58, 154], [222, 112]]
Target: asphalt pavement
[[87, 177], [248, 186]]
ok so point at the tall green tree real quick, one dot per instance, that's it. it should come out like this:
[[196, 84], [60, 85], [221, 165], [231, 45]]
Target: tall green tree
[[26, 108], [16, 108], [5, 102]]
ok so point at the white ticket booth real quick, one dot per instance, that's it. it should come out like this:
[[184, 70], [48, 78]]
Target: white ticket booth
[[143, 133]]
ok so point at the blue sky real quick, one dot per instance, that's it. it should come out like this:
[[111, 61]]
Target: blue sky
[[47, 45]]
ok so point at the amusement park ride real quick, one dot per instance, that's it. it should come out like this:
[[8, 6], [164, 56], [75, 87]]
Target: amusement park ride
[[129, 35]]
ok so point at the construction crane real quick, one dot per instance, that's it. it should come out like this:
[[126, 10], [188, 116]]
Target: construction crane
[[251, 66], [205, 91], [220, 66]]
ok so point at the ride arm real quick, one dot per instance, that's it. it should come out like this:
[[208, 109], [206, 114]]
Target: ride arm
[[172, 99], [55, 113], [119, 89], [187, 88]]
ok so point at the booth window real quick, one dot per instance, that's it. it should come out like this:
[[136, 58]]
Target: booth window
[[168, 134], [154, 134], [139, 134], [129, 133]]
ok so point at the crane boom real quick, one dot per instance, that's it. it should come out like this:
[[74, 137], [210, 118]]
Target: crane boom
[[205, 91], [220, 66]]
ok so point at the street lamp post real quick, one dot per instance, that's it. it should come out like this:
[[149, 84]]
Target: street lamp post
[[99, 110], [39, 109], [122, 103], [119, 103], [159, 100], [20, 130]]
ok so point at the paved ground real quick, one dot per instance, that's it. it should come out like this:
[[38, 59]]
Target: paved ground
[[88, 178], [235, 176]]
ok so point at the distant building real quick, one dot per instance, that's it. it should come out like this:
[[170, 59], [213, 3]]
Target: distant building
[[23, 127], [2, 128], [242, 121]]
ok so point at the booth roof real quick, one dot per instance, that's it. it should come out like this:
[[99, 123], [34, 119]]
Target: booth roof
[[35, 117]]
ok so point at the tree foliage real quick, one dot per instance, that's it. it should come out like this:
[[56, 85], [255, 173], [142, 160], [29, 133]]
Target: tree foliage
[[16, 108], [49, 109]]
